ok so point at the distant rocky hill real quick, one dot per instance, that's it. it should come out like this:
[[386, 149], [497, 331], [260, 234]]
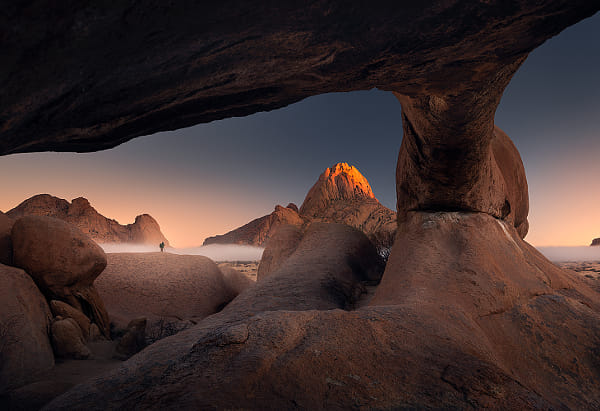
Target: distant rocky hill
[[595, 242], [145, 229], [340, 195]]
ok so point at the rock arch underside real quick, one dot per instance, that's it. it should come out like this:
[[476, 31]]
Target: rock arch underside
[[467, 314]]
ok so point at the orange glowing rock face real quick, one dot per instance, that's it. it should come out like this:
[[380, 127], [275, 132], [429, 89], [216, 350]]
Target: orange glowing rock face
[[340, 182]]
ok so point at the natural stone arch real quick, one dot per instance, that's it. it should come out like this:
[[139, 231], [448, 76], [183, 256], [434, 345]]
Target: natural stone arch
[[467, 314]]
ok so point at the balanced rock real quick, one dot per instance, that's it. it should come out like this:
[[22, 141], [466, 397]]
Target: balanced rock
[[24, 323], [80, 213], [68, 340], [6, 224], [63, 261]]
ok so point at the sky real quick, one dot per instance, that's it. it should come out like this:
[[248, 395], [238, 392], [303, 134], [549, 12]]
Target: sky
[[211, 178]]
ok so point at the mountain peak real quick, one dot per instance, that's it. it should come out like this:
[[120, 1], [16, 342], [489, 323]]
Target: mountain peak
[[340, 182]]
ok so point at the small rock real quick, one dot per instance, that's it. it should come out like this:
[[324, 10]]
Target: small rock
[[68, 340], [133, 341], [62, 309]]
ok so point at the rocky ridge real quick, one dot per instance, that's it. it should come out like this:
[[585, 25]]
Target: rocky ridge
[[340, 195], [80, 213]]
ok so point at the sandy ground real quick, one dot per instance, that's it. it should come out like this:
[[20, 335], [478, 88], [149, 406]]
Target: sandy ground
[[588, 270], [249, 268], [63, 376]]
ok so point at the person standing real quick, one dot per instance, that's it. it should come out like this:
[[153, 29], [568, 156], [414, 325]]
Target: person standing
[[162, 246]]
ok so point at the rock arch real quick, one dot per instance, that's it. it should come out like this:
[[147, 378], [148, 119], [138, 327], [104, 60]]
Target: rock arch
[[467, 313]]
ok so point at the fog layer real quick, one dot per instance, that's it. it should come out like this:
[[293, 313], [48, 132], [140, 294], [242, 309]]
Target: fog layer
[[216, 252], [582, 253]]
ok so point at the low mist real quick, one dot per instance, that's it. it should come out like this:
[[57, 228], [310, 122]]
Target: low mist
[[216, 252], [583, 253]]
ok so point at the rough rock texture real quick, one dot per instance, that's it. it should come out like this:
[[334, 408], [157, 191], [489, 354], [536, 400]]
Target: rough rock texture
[[453, 158], [64, 310], [68, 340], [256, 232], [24, 329], [340, 182], [340, 195], [80, 213], [63, 261], [162, 286], [236, 281], [483, 321], [88, 76], [6, 224], [343, 195], [278, 248], [595, 242], [327, 270], [134, 339]]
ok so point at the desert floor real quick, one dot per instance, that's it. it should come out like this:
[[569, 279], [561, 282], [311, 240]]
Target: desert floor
[[249, 268]]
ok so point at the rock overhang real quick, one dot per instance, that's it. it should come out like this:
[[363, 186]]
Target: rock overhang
[[87, 77]]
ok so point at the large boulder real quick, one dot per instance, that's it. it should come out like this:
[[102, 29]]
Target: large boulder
[[24, 329], [162, 286], [278, 248], [63, 261], [328, 269], [6, 252]]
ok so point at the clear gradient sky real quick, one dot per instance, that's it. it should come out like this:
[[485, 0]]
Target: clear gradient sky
[[211, 178]]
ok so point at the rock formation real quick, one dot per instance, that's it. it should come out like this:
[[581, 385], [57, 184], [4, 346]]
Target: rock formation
[[162, 286], [595, 242], [131, 71], [80, 213], [340, 195], [6, 224], [445, 336], [24, 329], [278, 248], [256, 232], [467, 314], [343, 195], [68, 340], [236, 281], [63, 262]]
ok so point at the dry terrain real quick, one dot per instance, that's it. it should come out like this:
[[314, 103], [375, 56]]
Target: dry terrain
[[248, 268]]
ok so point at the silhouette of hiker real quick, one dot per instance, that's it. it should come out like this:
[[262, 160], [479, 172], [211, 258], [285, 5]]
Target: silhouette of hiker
[[162, 246]]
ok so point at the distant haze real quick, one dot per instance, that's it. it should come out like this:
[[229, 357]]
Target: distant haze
[[216, 252], [571, 253], [212, 178]]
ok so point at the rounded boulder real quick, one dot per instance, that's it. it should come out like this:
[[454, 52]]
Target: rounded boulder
[[56, 254]]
